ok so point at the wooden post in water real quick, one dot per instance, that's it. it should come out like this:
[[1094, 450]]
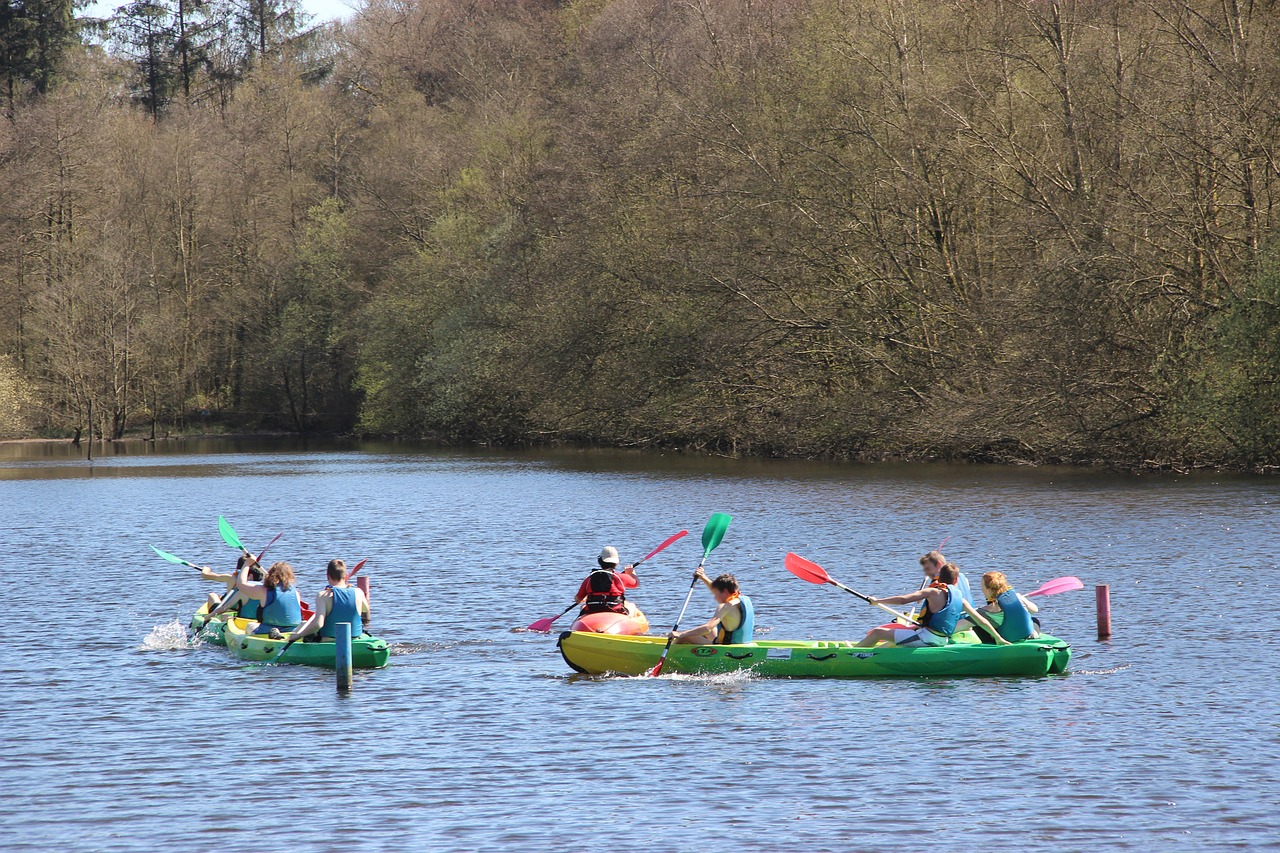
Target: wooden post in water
[[342, 654], [1103, 592], [90, 429]]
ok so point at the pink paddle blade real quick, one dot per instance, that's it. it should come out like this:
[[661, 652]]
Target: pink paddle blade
[[543, 625], [806, 570], [1057, 585], [676, 538]]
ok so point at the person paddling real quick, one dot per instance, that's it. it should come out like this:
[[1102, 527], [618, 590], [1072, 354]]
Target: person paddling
[[605, 589], [734, 621], [234, 600], [933, 562], [943, 608], [1006, 609], [337, 603], [281, 610]]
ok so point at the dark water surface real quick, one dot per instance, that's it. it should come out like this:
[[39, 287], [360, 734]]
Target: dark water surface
[[119, 736]]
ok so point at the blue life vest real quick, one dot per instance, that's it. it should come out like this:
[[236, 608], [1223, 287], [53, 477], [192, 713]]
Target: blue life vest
[[965, 592], [248, 608], [282, 610], [747, 627], [1016, 624], [345, 608], [943, 623]]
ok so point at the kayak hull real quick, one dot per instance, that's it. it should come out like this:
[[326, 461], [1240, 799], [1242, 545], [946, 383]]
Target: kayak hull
[[631, 623], [210, 632], [597, 654], [366, 652], [213, 631]]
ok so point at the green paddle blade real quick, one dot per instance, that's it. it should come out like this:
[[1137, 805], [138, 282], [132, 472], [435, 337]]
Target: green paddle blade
[[713, 533], [165, 555], [229, 534]]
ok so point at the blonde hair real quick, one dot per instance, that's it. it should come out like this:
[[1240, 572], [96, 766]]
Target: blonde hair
[[997, 583], [279, 576], [934, 557]]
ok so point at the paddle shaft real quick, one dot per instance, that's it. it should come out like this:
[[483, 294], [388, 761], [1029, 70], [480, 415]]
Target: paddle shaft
[[886, 608], [657, 670]]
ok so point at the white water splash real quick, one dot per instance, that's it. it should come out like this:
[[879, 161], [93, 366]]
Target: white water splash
[[1112, 671], [719, 679], [169, 637]]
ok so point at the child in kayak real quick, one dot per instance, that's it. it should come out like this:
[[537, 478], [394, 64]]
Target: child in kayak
[[943, 608], [336, 603], [734, 622], [1009, 611], [605, 589], [281, 610]]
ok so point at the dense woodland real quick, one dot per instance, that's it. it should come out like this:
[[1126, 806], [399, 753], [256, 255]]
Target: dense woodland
[[1025, 230]]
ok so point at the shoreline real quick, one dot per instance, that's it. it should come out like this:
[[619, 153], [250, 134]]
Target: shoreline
[[867, 458]]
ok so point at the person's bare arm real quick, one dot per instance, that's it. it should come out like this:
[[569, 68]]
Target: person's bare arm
[[907, 598], [250, 589], [324, 600], [978, 619], [1028, 603], [210, 575], [706, 626]]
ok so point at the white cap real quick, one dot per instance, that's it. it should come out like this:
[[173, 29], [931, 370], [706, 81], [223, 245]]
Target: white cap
[[609, 555]]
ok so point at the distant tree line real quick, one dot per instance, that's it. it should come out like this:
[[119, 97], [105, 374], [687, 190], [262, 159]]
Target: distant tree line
[[1031, 230]]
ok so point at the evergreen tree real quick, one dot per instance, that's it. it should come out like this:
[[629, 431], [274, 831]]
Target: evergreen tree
[[34, 35], [147, 33]]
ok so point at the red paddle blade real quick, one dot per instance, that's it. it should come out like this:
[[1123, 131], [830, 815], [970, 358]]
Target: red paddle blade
[[1057, 585], [806, 570], [676, 538], [359, 566], [543, 625], [657, 670]]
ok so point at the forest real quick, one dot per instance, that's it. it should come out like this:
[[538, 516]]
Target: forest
[[1003, 230]]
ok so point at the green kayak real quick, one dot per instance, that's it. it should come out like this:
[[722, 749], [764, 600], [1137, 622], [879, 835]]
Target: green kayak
[[366, 652], [209, 631], [601, 653]]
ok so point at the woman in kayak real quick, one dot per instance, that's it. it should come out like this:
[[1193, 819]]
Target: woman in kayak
[[943, 608], [281, 609], [735, 618], [605, 589], [336, 603], [1009, 611]]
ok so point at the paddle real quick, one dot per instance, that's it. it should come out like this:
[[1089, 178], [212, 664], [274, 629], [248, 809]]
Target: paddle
[[813, 573], [712, 536], [166, 556], [229, 536], [544, 625], [1057, 585], [292, 639]]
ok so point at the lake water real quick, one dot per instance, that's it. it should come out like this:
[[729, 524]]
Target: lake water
[[120, 736]]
